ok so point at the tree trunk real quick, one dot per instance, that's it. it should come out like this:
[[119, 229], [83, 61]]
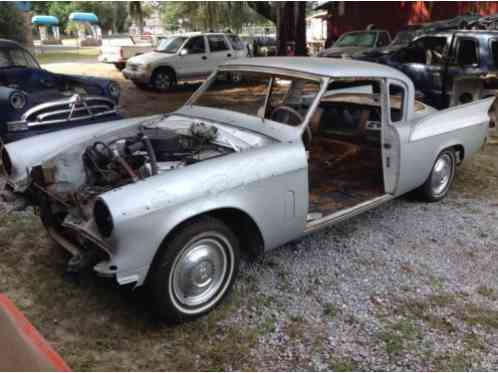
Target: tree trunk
[[300, 28], [291, 28]]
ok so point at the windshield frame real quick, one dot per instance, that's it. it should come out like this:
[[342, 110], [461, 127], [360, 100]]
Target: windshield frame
[[343, 36], [26, 55], [170, 39], [322, 80]]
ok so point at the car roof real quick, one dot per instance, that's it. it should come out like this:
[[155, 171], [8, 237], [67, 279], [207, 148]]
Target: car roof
[[328, 67], [364, 31], [6, 43], [460, 32]]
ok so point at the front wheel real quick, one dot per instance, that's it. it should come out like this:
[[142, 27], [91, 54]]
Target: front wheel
[[438, 183], [163, 80], [195, 270]]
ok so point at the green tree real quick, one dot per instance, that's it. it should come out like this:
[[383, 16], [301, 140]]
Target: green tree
[[11, 23], [209, 15], [136, 13]]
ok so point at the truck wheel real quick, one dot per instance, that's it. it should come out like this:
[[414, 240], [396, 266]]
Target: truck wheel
[[194, 271], [119, 65], [163, 80], [438, 183]]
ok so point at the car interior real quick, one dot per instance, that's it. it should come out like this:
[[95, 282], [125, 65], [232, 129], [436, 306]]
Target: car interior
[[345, 157]]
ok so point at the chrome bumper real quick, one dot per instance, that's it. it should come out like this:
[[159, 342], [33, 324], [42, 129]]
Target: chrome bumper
[[137, 76]]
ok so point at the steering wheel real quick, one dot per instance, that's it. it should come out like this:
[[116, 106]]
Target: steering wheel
[[286, 114]]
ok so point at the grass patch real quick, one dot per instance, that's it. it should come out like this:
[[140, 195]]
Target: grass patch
[[84, 54], [487, 292], [330, 310], [343, 364], [398, 335]]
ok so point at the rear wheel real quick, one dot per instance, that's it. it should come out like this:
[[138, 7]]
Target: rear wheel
[[163, 80], [438, 183], [195, 270]]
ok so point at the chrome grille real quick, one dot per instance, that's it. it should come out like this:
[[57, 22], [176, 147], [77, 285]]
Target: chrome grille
[[68, 110]]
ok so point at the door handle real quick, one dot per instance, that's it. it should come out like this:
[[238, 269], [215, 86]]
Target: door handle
[[387, 146], [204, 58], [229, 55]]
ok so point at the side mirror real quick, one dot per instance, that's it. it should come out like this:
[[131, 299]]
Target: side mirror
[[183, 52]]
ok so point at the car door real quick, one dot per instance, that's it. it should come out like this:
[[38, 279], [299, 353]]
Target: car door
[[393, 116], [424, 61], [219, 50], [464, 61], [194, 58]]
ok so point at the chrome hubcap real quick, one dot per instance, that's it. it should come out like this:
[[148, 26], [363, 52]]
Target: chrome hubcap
[[162, 81], [441, 174], [200, 271]]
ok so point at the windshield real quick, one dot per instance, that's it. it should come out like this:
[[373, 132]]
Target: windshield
[[357, 39], [403, 37], [171, 45], [279, 98], [16, 57]]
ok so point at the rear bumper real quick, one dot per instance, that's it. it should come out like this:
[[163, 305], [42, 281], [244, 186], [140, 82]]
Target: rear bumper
[[137, 76]]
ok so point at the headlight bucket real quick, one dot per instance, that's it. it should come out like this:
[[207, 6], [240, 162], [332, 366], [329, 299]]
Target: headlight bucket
[[18, 100], [114, 90], [103, 218]]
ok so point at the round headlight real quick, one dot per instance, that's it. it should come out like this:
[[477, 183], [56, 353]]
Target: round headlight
[[103, 218], [17, 100], [114, 90]]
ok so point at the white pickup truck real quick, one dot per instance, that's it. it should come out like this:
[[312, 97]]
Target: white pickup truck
[[118, 54], [184, 57]]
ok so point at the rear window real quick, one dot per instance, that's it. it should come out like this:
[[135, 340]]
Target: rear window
[[494, 52], [236, 43]]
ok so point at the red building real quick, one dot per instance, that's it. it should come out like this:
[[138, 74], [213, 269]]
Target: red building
[[393, 15]]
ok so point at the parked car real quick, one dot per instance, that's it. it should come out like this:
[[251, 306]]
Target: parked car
[[185, 57], [401, 40], [35, 101], [449, 67], [119, 54], [357, 41], [295, 145]]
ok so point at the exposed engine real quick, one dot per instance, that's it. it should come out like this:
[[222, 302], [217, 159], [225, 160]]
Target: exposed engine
[[150, 152]]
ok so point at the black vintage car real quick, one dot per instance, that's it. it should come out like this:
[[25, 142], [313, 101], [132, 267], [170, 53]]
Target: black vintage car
[[35, 101], [449, 67]]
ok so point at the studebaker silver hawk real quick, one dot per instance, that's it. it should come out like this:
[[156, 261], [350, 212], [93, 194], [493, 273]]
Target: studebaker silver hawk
[[291, 146]]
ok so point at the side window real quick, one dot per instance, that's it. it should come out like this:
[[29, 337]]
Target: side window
[[430, 50], [196, 45], [383, 39], [396, 102], [18, 57], [467, 52], [494, 52], [236, 43], [217, 43]]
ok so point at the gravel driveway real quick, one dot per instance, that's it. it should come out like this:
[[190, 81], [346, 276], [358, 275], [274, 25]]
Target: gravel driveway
[[409, 286]]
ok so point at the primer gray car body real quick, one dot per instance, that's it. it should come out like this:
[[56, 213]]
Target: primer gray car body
[[265, 178]]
